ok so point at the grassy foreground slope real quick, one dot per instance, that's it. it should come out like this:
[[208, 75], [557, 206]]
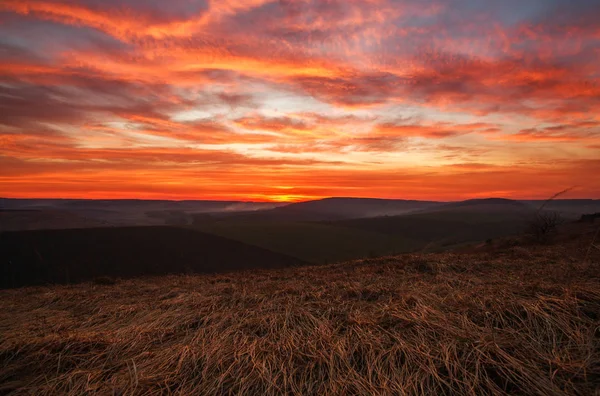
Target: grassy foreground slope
[[523, 320]]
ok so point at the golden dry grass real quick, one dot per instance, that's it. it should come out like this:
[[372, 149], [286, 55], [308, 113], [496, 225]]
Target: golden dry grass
[[525, 320]]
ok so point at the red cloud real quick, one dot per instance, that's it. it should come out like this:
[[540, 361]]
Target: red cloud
[[578, 132], [124, 23], [297, 94], [275, 124], [433, 131]]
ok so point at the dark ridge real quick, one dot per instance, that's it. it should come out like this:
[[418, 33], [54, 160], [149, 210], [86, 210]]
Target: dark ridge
[[77, 255], [340, 208], [357, 202], [122, 200], [486, 201], [590, 218], [16, 203], [36, 219]]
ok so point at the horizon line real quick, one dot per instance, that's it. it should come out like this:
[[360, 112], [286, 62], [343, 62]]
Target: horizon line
[[292, 202]]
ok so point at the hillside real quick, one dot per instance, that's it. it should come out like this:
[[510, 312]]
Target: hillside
[[319, 243], [451, 224], [522, 320], [81, 213], [337, 208], [488, 208], [569, 208], [347, 208], [426, 229], [122, 212], [41, 219], [63, 256], [124, 205], [435, 228], [486, 203]]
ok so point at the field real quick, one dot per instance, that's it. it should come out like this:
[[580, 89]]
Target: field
[[519, 320]]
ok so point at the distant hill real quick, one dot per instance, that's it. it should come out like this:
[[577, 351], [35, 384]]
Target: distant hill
[[311, 241], [358, 207], [339, 208], [569, 208], [485, 202], [452, 224], [40, 219], [299, 229], [491, 208], [63, 256], [119, 204], [128, 212], [335, 229]]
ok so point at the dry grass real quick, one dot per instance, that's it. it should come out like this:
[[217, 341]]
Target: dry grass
[[486, 323]]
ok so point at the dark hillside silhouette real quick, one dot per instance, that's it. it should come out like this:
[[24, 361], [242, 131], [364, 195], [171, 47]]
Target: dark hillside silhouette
[[590, 218], [486, 201], [40, 219], [75, 255]]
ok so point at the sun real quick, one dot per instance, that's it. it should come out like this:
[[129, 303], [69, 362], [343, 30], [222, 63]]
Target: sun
[[286, 198]]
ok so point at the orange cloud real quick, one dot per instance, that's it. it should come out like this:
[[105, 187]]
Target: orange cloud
[[123, 23], [434, 131], [453, 182], [232, 98], [580, 132]]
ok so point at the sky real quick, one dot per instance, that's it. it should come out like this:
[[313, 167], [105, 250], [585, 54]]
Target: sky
[[294, 100]]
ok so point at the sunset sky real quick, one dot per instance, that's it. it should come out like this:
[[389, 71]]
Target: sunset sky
[[292, 100]]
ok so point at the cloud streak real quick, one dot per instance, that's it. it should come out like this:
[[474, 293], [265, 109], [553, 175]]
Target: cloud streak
[[295, 92]]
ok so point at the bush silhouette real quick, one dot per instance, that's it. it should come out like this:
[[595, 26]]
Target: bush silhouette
[[545, 225]]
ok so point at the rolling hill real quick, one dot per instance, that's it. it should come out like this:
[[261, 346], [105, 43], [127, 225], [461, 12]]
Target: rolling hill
[[130, 212], [452, 224], [41, 219], [318, 243], [348, 208], [74, 255], [485, 204], [323, 231], [337, 208], [569, 208], [435, 227]]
